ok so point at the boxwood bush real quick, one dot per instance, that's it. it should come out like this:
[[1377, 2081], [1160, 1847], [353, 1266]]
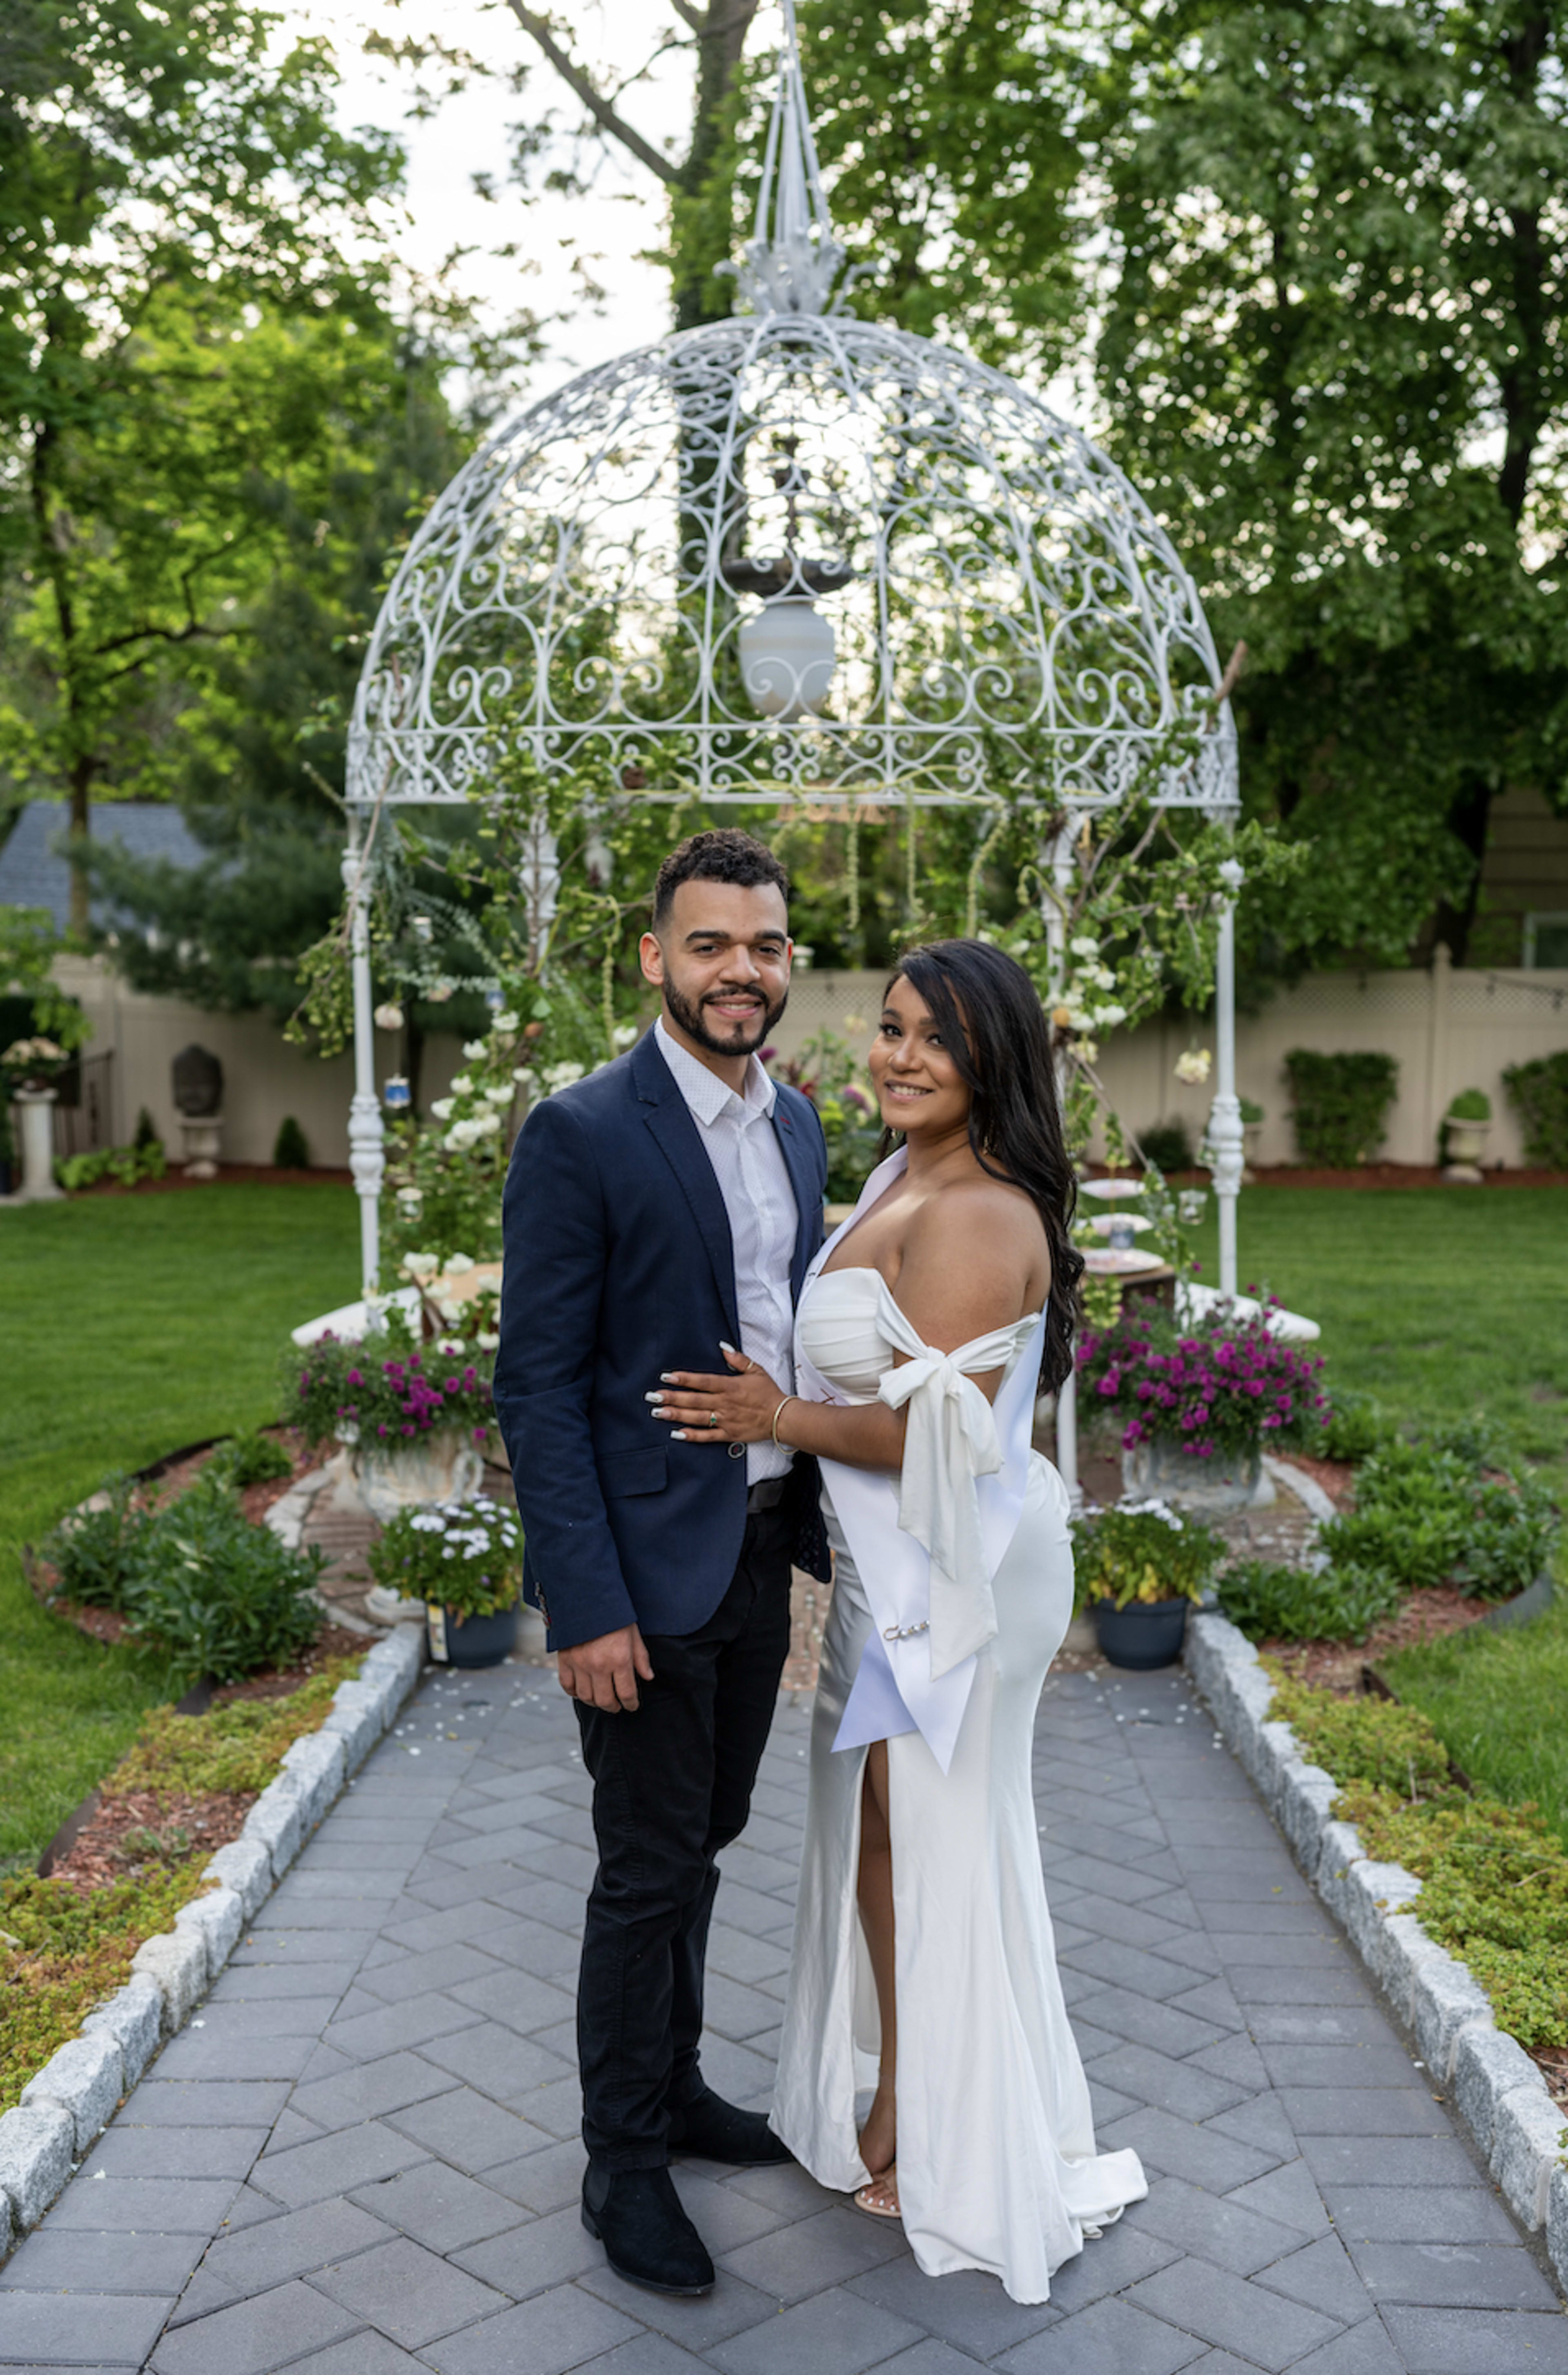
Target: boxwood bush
[[1538, 1095], [1339, 1104]]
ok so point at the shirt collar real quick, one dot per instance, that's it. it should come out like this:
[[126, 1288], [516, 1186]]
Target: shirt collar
[[703, 1091]]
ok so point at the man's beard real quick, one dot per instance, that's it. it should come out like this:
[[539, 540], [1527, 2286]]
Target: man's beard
[[689, 1018]]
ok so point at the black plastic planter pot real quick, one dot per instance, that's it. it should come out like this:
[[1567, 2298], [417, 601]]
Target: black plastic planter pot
[[471, 1641], [1143, 1635]]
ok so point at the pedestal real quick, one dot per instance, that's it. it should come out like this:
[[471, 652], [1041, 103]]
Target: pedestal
[[203, 1142], [37, 1109]]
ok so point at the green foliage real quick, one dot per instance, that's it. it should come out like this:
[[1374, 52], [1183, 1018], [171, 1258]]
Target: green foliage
[[146, 1133], [94, 1551], [465, 1556], [29, 946], [1354, 1426], [1292, 1603], [1470, 1105], [124, 1165], [1497, 1693], [335, 1391], [291, 1151], [832, 1076], [1359, 460], [254, 1459], [1142, 1552], [1339, 1104], [1538, 1095], [1495, 1879], [236, 1746], [1251, 1111], [1430, 1513], [1168, 1146]]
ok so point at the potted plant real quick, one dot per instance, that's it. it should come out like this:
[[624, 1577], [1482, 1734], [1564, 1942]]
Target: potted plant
[[412, 1421], [1199, 1402], [1466, 1126], [463, 1559], [1138, 1569]]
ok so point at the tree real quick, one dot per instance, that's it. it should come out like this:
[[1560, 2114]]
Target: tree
[[175, 204], [1333, 360]]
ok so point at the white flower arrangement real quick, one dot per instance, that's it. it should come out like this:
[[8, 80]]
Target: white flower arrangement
[[464, 1555], [388, 1017]]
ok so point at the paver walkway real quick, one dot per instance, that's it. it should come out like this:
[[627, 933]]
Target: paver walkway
[[362, 2158]]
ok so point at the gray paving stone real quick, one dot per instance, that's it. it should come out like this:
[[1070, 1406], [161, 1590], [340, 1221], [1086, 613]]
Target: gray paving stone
[[497, 2062], [156, 2206], [545, 2181], [1322, 2276], [1170, 2085], [930, 2357], [1260, 2121], [363, 2090], [126, 2150], [418, 2020], [836, 2330], [222, 2055], [647, 2354], [1477, 2341], [1438, 2214], [1373, 2111], [544, 2336], [268, 2016], [728, 2310], [247, 1978], [467, 2130], [439, 2206], [1112, 2338], [70, 2259], [1222, 2230], [1122, 1965], [1383, 2063], [407, 2293], [1388, 2160], [969, 2310], [1176, 2148], [520, 2000], [209, 2102], [272, 2252], [827, 2248], [255, 2334], [1270, 1983], [361, 2354], [333, 2164], [79, 2329], [413, 1975], [1289, 2195], [1364, 2350], [1108, 2264], [535, 2255], [1454, 2275], [1233, 2313]]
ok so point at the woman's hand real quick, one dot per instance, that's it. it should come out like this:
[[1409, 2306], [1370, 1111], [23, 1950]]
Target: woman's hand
[[737, 1408]]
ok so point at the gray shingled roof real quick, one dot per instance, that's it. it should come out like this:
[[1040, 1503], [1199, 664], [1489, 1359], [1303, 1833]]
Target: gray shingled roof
[[34, 874]]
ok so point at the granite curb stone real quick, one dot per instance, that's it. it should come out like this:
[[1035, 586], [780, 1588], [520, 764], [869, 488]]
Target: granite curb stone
[[1498, 2091], [68, 2103]]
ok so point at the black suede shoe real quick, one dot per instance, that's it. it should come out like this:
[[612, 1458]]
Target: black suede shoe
[[714, 2129], [648, 2239]]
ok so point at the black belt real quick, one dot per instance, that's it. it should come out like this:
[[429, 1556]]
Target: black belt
[[766, 1493]]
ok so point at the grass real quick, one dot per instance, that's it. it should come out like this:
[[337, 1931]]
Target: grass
[[134, 1325], [1437, 1300]]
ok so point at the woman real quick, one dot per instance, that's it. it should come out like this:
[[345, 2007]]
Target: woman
[[926, 1329]]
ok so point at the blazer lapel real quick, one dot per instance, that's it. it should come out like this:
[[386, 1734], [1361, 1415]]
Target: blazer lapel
[[807, 1205], [681, 1142]]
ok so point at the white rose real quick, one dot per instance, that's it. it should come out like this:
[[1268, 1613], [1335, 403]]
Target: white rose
[[461, 1137], [1085, 945], [526, 1079], [474, 1050], [499, 1097], [486, 1340], [459, 1265], [484, 1125], [421, 1265], [504, 1021], [1193, 1066], [441, 1109], [461, 1085], [1107, 1017], [561, 1076]]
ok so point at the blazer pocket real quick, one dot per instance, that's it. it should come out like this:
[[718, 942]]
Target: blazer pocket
[[622, 1473]]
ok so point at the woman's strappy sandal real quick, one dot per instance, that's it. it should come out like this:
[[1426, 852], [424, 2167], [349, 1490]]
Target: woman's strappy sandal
[[880, 2198]]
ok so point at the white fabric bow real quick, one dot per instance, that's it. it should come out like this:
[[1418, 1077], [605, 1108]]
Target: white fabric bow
[[949, 1440]]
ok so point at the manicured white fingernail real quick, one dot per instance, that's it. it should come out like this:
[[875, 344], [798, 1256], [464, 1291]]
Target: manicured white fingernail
[[655, 1397], [667, 1377], [724, 1347], [677, 1434]]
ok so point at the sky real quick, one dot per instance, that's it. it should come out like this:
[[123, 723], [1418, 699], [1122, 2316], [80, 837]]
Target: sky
[[468, 133]]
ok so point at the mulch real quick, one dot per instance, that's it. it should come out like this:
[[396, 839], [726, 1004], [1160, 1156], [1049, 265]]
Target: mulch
[[230, 1174], [144, 1832], [1425, 1615]]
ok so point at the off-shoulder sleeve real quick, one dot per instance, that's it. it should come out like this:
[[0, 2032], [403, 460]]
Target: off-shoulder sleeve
[[951, 1440]]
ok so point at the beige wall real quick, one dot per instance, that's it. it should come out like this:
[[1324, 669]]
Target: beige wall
[[1448, 1029], [264, 1077]]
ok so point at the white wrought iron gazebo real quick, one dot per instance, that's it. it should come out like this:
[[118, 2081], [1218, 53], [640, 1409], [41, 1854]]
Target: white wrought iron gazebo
[[792, 557]]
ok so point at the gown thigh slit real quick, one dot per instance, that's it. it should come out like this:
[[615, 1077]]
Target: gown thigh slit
[[995, 2154]]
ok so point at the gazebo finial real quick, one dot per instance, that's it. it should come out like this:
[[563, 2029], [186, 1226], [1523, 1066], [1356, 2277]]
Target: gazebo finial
[[791, 258]]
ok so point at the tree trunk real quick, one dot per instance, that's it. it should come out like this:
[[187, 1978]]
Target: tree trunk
[[701, 218]]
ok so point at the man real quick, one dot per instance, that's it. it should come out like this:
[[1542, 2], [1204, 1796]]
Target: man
[[663, 1209]]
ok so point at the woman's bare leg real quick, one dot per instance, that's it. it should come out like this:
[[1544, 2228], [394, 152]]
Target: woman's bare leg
[[878, 2139]]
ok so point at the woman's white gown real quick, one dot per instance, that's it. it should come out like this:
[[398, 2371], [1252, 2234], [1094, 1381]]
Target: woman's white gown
[[967, 1560]]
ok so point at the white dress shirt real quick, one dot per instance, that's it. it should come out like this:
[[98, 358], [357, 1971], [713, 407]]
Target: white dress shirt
[[737, 1132]]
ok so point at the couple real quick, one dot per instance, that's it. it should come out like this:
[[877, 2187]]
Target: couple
[[695, 1392]]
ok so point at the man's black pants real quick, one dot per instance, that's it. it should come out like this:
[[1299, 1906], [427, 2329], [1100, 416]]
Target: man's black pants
[[672, 1785]]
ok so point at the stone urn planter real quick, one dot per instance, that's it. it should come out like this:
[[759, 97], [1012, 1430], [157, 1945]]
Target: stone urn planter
[[1466, 1143], [37, 1109], [1160, 1470], [435, 1468]]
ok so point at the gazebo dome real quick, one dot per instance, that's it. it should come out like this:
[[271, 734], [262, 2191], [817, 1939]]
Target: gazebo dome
[[798, 554]]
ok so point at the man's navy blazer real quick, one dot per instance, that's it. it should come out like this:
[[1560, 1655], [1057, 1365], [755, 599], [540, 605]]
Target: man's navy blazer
[[619, 1265]]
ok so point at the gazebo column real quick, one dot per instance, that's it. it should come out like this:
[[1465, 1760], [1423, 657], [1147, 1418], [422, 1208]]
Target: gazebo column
[[1225, 1140], [366, 1158]]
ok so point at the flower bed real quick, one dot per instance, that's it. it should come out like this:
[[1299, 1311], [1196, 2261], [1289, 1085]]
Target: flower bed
[[182, 1790], [1225, 1384]]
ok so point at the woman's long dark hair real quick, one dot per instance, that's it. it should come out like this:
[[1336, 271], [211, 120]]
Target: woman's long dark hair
[[991, 1020]]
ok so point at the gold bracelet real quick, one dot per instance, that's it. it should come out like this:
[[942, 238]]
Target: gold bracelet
[[779, 1414]]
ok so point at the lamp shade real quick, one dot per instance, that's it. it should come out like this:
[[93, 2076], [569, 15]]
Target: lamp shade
[[786, 656]]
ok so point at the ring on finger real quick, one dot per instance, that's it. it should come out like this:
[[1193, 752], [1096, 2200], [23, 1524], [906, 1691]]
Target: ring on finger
[[712, 1418]]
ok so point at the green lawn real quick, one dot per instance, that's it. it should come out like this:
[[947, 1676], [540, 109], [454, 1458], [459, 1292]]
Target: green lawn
[[1438, 1300], [1498, 1701], [133, 1324]]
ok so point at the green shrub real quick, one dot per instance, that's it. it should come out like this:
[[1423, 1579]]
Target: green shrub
[[1538, 1095], [1339, 1104], [1374, 1740], [94, 1551], [125, 1165], [1142, 1552], [219, 1596], [465, 1556], [1354, 1428], [254, 1459], [146, 1132], [1292, 1603], [1251, 1112], [290, 1151], [1167, 1146], [233, 1746], [1470, 1105], [1426, 1514]]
